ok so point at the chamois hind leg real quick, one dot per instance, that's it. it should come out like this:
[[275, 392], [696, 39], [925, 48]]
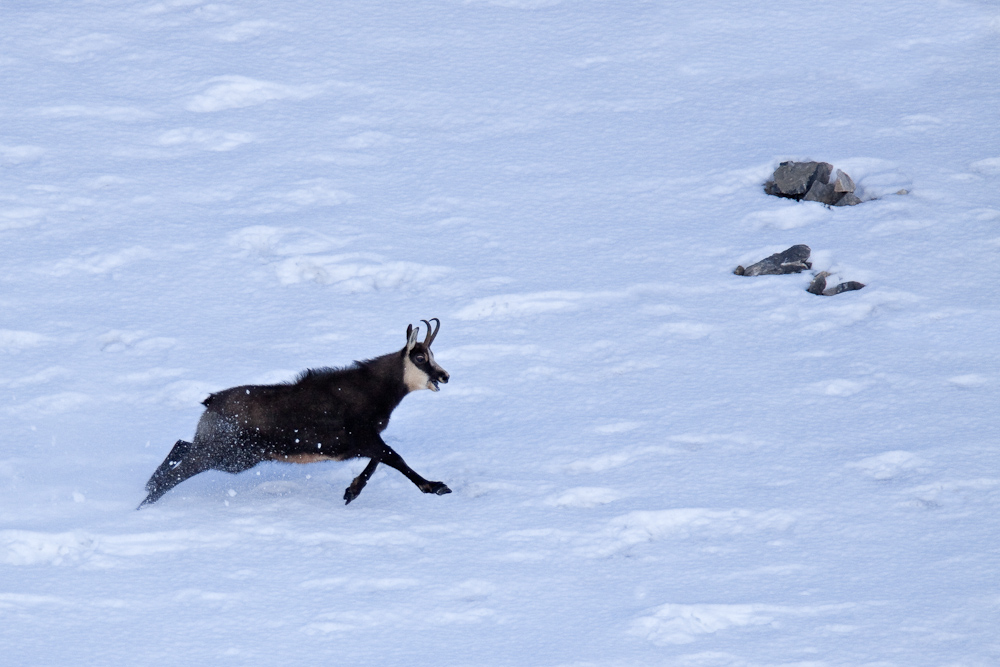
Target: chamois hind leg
[[176, 455], [177, 467], [389, 457]]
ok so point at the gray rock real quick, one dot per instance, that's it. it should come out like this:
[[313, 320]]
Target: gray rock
[[818, 286], [849, 199], [824, 193], [810, 181], [793, 260], [793, 179], [842, 182], [823, 171]]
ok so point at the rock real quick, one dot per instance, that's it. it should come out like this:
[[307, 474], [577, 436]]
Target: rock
[[818, 283], [793, 179], [823, 171], [842, 182], [849, 286], [849, 199], [793, 260], [810, 181], [818, 286], [824, 193]]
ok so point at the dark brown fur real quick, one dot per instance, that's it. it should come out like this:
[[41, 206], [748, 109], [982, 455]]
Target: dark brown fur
[[325, 414]]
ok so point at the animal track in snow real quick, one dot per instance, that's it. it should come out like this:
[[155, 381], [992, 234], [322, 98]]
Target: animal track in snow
[[210, 140], [99, 262], [19, 154], [116, 114], [968, 381], [245, 30], [690, 330], [646, 526], [117, 340], [84, 47], [299, 256], [50, 404], [507, 306], [613, 460], [23, 547], [685, 623], [356, 272], [237, 92], [20, 217], [839, 387], [617, 427], [355, 585], [512, 306], [788, 216], [890, 465], [952, 493], [584, 496], [13, 341], [43, 376], [990, 166]]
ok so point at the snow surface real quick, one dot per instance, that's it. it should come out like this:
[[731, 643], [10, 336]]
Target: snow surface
[[654, 462]]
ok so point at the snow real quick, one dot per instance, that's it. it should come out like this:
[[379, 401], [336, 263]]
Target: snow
[[654, 461]]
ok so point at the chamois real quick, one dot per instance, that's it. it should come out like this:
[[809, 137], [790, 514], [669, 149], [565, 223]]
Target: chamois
[[326, 414]]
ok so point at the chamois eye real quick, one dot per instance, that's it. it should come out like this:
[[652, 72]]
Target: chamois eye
[[420, 358]]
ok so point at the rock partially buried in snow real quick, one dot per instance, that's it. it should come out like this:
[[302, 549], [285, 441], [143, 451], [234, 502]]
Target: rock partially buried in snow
[[818, 286], [810, 181], [849, 199], [842, 182], [793, 179], [796, 260], [793, 260]]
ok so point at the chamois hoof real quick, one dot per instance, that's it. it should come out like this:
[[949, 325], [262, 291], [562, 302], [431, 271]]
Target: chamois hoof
[[350, 495], [437, 488]]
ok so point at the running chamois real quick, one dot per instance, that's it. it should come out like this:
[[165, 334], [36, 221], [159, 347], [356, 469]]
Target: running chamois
[[326, 414]]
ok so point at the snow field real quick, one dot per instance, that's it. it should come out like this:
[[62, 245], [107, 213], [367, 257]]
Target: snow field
[[653, 461]]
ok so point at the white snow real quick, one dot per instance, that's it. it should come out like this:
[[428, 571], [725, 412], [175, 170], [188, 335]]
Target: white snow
[[653, 461]]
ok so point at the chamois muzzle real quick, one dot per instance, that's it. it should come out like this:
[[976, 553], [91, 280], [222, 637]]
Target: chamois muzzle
[[441, 375]]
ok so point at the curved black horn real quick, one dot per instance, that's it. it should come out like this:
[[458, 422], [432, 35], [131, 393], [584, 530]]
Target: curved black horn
[[431, 332]]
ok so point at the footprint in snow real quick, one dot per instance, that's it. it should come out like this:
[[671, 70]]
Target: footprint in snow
[[584, 496], [890, 465]]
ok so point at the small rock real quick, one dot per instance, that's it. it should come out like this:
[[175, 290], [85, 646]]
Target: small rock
[[818, 283], [842, 182], [818, 286], [849, 199], [793, 260], [904, 191], [849, 286]]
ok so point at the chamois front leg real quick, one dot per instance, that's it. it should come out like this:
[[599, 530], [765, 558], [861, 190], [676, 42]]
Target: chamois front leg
[[351, 492], [383, 453], [394, 460]]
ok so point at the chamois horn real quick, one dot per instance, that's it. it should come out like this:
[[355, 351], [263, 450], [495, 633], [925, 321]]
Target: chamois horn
[[431, 334]]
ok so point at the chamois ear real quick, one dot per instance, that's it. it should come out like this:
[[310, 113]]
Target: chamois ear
[[411, 336]]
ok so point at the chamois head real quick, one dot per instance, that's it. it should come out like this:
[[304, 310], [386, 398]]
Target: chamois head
[[420, 371]]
